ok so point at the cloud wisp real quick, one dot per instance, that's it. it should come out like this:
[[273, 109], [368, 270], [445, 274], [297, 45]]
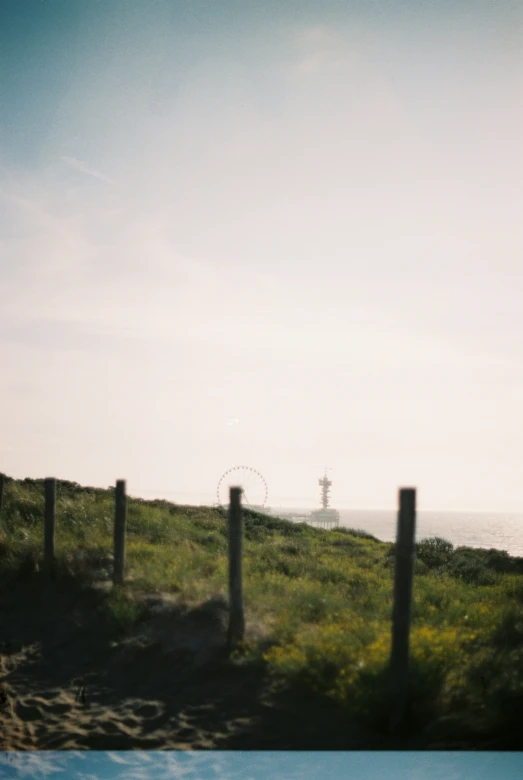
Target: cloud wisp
[[85, 168]]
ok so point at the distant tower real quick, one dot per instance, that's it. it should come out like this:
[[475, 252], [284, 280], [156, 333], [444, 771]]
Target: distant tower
[[325, 517], [325, 485]]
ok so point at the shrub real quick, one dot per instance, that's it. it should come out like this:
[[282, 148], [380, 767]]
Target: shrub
[[258, 526], [433, 552], [120, 614], [499, 561], [470, 566]]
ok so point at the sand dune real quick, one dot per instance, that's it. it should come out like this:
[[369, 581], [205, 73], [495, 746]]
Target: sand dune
[[65, 685], [170, 685]]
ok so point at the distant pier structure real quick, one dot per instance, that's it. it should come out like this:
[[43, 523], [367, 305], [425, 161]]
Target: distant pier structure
[[325, 517]]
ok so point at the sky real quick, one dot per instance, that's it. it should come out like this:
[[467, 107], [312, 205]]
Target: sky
[[281, 234], [258, 765]]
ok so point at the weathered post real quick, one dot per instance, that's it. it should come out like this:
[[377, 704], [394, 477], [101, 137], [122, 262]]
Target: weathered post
[[236, 616], [399, 659], [2, 482], [49, 523], [120, 520]]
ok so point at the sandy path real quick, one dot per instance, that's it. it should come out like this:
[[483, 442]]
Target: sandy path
[[65, 685]]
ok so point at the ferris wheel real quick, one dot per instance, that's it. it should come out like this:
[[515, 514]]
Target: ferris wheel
[[252, 483]]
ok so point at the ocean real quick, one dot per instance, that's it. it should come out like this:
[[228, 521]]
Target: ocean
[[501, 531]]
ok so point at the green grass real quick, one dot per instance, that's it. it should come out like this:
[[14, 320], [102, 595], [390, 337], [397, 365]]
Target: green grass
[[324, 598]]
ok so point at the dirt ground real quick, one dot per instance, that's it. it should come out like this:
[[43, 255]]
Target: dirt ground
[[65, 685]]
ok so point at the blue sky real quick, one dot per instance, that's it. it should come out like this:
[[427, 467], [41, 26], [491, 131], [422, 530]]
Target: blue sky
[[137, 765], [304, 218]]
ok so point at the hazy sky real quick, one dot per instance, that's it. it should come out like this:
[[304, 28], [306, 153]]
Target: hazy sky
[[287, 234]]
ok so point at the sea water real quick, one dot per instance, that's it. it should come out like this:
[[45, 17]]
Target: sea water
[[501, 531]]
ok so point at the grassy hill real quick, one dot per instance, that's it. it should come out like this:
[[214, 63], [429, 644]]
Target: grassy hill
[[318, 604]]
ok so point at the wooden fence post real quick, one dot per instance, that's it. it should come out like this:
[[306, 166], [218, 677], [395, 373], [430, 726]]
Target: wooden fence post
[[399, 659], [2, 482], [236, 616], [120, 520], [49, 522]]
